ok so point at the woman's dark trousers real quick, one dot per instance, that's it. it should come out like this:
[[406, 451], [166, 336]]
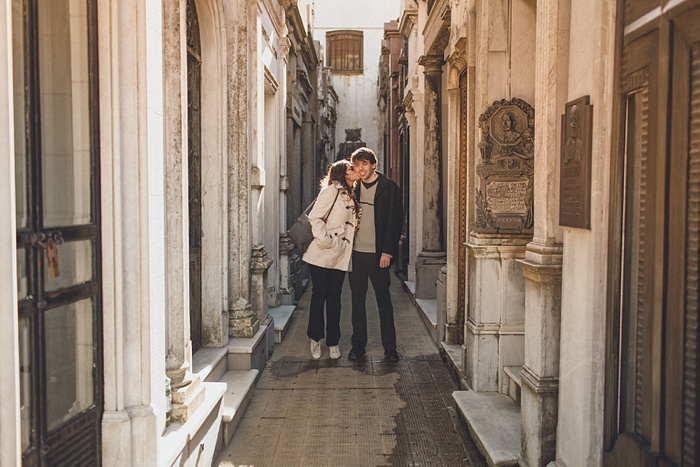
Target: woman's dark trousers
[[327, 287]]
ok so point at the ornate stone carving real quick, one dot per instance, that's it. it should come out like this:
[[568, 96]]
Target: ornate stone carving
[[353, 141], [353, 134], [504, 197]]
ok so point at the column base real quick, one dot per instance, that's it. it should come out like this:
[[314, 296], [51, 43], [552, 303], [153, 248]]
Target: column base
[[258, 281], [186, 400], [428, 267], [243, 322], [441, 305], [538, 417]]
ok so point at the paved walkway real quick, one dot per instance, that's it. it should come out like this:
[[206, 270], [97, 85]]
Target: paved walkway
[[308, 412]]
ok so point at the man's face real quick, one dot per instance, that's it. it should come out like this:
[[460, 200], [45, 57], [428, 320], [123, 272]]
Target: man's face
[[364, 169]]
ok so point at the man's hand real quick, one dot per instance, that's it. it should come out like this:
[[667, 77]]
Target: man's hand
[[384, 261]]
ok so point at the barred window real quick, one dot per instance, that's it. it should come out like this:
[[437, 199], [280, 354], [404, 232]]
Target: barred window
[[345, 51]]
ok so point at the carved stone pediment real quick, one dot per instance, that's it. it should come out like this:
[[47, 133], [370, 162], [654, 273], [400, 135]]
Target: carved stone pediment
[[504, 197]]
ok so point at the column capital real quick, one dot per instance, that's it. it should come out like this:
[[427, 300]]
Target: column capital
[[431, 63]]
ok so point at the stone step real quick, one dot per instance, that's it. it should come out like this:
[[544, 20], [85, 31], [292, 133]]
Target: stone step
[[511, 382], [199, 433], [239, 391], [246, 353], [494, 423], [282, 317], [209, 363], [427, 309], [453, 358]]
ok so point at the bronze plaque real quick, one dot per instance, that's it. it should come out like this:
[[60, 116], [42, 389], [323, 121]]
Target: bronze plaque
[[504, 198], [575, 165]]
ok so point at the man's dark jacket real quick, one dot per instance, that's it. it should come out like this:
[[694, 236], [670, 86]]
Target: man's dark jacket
[[388, 215]]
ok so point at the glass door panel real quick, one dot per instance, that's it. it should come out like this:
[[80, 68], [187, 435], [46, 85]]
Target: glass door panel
[[74, 265], [19, 90], [69, 361], [22, 279], [25, 376], [65, 121]]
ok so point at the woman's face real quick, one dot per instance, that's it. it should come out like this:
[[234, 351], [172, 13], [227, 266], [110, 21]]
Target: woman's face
[[351, 176]]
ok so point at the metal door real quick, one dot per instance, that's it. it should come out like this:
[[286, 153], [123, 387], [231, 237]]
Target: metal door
[[652, 362], [58, 230]]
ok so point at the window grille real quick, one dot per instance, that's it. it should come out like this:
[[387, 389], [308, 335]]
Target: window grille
[[345, 51]]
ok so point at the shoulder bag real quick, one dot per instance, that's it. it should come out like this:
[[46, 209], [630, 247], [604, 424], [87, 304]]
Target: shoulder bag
[[300, 233]]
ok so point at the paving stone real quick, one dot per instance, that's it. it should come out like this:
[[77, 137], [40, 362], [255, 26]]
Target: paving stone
[[336, 412]]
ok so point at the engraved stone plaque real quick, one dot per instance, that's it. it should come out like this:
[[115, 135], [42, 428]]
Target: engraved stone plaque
[[575, 165], [504, 197]]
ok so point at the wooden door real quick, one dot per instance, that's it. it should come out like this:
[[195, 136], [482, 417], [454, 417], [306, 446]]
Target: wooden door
[[462, 221], [652, 365]]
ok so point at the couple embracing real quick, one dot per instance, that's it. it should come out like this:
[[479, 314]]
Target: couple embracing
[[356, 223]]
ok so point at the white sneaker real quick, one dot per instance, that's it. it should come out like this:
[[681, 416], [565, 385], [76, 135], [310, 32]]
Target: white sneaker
[[315, 349], [335, 352]]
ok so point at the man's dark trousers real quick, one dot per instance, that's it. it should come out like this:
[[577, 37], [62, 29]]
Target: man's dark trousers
[[366, 266]]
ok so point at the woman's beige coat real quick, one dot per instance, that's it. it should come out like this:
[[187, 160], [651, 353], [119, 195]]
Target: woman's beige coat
[[332, 244]]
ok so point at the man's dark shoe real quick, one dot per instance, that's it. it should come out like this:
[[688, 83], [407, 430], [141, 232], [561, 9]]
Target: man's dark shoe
[[391, 356], [356, 353]]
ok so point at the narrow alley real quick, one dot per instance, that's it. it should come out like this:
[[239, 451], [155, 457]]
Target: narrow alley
[[537, 192], [338, 412]]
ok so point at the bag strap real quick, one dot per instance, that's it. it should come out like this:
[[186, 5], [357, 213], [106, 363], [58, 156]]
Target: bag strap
[[310, 206], [332, 205]]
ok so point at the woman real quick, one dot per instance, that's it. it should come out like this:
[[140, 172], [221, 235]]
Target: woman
[[333, 219]]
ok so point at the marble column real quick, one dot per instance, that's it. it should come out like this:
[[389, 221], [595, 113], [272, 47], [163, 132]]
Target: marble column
[[286, 247], [309, 185], [259, 265], [432, 256], [179, 354], [243, 321], [542, 266], [287, 295], [130, 130], [293, 188]]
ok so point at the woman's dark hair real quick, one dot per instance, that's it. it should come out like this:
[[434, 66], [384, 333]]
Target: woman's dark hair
[[336, 173]]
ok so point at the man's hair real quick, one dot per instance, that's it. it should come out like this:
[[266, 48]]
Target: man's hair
[[363, 154]]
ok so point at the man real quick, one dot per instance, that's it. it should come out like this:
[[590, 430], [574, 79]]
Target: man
[[375, 247]]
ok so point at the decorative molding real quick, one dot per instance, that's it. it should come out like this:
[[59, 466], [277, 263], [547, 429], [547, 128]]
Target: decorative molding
[[408, 21], [270, 80], [539, 384], [276, 14], [259, 261], [431, 63], [437, 29], [284, 45]]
